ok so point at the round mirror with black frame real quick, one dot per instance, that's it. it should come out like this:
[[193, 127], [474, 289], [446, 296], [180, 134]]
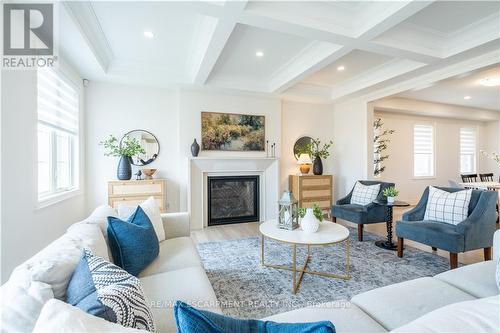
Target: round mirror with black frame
[[300, 144], [148, 142]]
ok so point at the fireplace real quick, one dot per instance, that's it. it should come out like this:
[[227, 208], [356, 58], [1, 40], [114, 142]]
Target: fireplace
[[233, 199]]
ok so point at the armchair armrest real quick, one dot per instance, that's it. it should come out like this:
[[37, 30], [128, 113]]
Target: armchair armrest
[[176, 225], [345, 200], [480, 222], [417, 213]]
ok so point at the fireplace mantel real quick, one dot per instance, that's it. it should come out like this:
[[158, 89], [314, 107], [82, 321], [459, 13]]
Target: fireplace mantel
[[202, 167]]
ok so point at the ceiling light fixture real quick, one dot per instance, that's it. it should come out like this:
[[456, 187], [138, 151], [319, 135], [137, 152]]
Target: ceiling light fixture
[[259, 54], [467, 97], [149, 34], [491, 81], [340, 68]]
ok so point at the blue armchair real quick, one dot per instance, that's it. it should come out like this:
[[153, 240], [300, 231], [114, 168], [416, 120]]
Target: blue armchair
[[361, 215], [475, 232]]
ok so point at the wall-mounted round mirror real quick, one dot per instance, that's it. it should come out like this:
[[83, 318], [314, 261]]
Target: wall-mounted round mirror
[[300, 144], [148, 142]]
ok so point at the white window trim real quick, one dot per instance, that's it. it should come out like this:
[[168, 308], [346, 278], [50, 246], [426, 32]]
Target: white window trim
[[65, 194], [434, 176]]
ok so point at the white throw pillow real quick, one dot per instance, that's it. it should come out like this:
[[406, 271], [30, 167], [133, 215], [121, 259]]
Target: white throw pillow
[[99, 217], [58, 316], [21, 305], [447, 207], [152, 211], [364, 194], [480, 315], [56, 263]]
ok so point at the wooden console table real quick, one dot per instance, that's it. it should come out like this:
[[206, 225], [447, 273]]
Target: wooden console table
[[310, 189]]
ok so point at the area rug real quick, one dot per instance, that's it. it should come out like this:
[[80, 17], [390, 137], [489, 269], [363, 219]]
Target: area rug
[[245, 289]]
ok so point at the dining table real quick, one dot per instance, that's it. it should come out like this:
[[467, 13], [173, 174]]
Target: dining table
[[482, 185]]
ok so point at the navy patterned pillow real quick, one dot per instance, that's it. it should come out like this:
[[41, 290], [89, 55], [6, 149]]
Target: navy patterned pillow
[[105, 290]]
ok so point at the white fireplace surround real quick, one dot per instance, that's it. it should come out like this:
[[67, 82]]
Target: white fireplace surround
[[201, 167]]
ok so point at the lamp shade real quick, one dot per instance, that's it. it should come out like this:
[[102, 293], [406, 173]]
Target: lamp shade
[[304, 159]]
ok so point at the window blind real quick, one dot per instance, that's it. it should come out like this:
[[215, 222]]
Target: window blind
[[57, 101], [423, 139], [467, 141]]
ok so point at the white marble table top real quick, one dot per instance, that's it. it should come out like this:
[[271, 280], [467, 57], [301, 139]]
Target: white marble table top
[[327, 233]]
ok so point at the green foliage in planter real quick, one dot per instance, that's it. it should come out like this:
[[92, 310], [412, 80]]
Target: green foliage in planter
[[317, 212], [129, 147], [315, 150], [380, 144], [494, 156], [391, 192]]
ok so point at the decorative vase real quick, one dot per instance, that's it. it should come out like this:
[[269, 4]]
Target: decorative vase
[[318, 166], [390, 200], [309, 223], [195, 148], [124, 171]]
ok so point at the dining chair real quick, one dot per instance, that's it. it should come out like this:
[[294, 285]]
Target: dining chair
[[486, 177], [469, 178]]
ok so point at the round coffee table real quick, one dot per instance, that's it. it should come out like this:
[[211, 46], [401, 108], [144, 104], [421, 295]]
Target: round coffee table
[[328, 234]]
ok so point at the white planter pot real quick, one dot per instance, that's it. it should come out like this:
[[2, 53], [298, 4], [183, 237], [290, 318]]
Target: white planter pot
[[390, 200], [310, 223]]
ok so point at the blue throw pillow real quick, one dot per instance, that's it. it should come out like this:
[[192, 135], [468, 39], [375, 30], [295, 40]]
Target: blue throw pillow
[[189, 319], [105, 290], [133, 243]]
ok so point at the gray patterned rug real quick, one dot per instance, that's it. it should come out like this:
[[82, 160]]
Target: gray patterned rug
[[248, 290]]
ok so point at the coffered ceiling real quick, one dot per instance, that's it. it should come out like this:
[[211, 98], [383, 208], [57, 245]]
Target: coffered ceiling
[[317, 50]]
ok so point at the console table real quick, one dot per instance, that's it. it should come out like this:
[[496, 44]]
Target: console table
[[133, 192], [310, 189]]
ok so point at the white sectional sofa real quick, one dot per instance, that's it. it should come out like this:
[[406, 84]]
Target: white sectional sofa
[[420, 305]]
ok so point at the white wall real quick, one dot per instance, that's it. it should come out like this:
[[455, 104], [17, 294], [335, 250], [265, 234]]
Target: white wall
[[117, 109], [399, 166], [304, 119], [492, 144], [25, 229]]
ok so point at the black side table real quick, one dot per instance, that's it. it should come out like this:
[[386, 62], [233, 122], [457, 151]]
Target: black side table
[[388, 244]]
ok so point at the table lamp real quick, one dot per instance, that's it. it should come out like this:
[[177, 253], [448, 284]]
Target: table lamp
[[305, 163]]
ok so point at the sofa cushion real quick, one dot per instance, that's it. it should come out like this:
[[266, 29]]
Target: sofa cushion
[[55, 264], [477, 279], [99, 217], [175, 253], [152, 211], [439, 234], [443, 206], [107, 291], [21, 305], [350, 212], [481, 315], [398, 304], [190, 285], [190, 319], [346, 317], [133, 243], [58, 316], [364, 194]]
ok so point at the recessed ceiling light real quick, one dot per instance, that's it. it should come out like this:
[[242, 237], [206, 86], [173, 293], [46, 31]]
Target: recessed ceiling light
[[490, 81], [149, 34], [467, 97], [340, 68], [259, 54]]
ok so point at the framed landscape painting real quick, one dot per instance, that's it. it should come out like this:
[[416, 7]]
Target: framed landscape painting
[[232, 132]]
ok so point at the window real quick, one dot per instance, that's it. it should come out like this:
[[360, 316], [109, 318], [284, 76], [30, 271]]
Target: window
[[423, 151], [467, 150], [58, 114]]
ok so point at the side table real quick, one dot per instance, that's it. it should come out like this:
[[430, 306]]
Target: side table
[[388, 244]]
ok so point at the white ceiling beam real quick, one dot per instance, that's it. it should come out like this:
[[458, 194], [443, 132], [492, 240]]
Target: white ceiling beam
[[87, 23], [213, 43]]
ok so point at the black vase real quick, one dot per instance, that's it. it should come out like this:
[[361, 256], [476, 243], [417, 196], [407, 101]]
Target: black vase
[[124, 170], [318, 166], [195, 148]]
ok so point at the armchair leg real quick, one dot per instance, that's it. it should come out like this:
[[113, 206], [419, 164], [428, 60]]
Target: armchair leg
[[334, 219], [453, 260], [400, 247], [487, 253], [360, 232], [434, 248]]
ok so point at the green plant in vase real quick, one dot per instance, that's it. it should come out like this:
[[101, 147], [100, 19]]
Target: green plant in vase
[[317, 212], [390, 193], [317, 152], [125, 149]]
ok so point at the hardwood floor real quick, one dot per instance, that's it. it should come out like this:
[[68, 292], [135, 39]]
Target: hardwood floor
[[243, 230]]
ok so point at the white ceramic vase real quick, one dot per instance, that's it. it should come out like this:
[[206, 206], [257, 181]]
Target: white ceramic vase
[[390, 200], [310, 223]]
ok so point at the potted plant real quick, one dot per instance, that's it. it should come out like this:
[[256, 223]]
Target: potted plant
[[317, 152], [127, 148], [310, 218], [390, 193]]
